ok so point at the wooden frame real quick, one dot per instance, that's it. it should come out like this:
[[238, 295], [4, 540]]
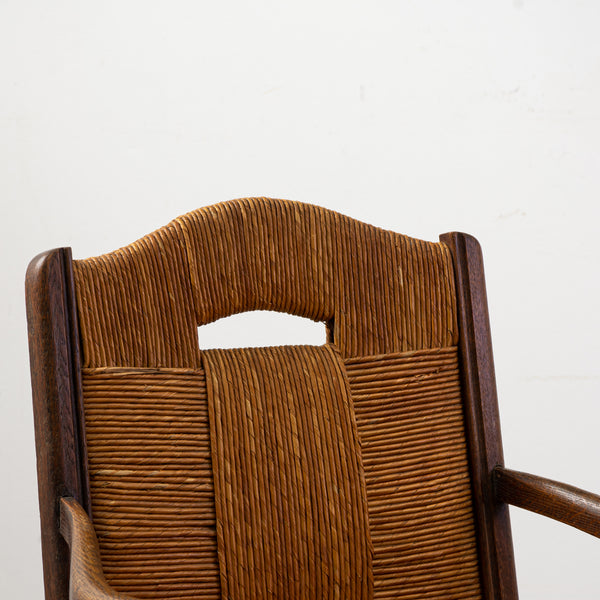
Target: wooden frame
[[61, 447], [57, 401], [482, 420]]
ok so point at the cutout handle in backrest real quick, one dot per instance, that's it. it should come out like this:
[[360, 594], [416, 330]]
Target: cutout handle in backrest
[[261, 328], [384, 292]]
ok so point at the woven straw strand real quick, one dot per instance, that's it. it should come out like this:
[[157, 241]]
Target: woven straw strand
[[289, 488], [151, 481], [416, 471]]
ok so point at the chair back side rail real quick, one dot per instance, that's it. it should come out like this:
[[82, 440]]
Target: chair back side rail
[[498, 576], [57, 400]]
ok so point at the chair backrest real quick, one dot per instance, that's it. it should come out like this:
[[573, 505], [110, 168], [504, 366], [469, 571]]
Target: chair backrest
[[335, 471]]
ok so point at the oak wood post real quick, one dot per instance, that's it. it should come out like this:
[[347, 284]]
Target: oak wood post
[[494, 537], [56, 389]]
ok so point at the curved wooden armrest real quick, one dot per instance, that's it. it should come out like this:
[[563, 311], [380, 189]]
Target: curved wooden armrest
[[558, 501], [87, 581]]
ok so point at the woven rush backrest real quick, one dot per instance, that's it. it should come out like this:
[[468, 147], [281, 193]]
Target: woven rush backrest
[[289, 472]]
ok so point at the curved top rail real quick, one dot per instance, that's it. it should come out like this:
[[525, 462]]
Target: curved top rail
[[378, 291]]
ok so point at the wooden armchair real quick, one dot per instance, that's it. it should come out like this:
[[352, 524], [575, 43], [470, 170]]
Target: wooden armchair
[[369, 467]]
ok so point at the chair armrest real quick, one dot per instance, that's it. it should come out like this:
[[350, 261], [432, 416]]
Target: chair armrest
[[87, 581], [558, 501]]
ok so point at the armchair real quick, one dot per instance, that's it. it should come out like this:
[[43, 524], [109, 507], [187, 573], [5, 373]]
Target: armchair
[[369, 467]]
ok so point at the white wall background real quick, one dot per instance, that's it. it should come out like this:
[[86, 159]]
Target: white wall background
[[421, 117]]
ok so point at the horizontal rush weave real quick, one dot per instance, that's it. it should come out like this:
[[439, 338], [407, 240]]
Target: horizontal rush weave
[[410, 422], [150, 466], [289, 488]]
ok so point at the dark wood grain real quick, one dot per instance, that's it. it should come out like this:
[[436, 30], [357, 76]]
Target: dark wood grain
[[56, 395], [77, 389], [553, 499], [87, 578], [482, 419]]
